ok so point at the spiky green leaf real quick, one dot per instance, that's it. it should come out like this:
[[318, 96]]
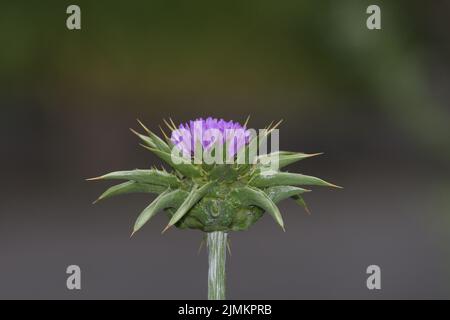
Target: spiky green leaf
[[284, 158], [154, 139], [279, 193], [186, 168], [165, 200], [151, 176], [194, 196], [167, 138], [160, 143], [301, 202], [147, 140], [130, 187], [256, 197], [271, 178]]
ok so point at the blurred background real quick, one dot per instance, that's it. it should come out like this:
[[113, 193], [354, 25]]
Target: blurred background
[[375, 102]]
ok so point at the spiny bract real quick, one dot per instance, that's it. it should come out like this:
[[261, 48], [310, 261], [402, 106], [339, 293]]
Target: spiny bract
[[218, 197]]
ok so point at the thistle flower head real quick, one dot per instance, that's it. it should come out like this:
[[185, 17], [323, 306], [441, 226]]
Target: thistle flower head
[[208, 133], [213, 196]]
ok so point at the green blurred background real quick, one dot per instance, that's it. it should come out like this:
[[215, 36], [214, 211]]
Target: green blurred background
[[376, 102]]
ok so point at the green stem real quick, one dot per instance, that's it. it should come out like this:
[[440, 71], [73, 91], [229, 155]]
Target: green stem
[[217, 252]]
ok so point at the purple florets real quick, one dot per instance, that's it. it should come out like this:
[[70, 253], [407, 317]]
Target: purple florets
[[209, 133]]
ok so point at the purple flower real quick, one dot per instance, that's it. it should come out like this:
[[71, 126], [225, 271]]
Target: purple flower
[[208, 133]]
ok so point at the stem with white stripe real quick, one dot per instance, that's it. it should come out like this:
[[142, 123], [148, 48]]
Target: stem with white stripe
[[217, 252]]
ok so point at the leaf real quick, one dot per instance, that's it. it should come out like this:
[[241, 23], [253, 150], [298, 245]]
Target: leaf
[[160, 143], [186, 168], [268, 179], [130, 187], [151, 176], [147, 140], [256, 197], [164, 200], [285, 158], [301, 202], [194, 196], [157, 141], [279, 193]]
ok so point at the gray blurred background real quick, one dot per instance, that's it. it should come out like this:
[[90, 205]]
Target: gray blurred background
[[375, 102]]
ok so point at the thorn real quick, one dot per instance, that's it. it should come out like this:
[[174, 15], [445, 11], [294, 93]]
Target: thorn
[[95, 178], [142, 125], [277, 124], [246, 121], [168, 125], [165, 229], [173, 124], [274, 127], [132, 233], [136, 133], [97, 200], [314, 154], [307, 210], [303, 203], [164, 133], [268, 127]]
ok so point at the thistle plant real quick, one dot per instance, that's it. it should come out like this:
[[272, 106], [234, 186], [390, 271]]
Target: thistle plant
[[227, 194]]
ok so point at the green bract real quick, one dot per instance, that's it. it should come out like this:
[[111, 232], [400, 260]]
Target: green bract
[[218, 197]]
